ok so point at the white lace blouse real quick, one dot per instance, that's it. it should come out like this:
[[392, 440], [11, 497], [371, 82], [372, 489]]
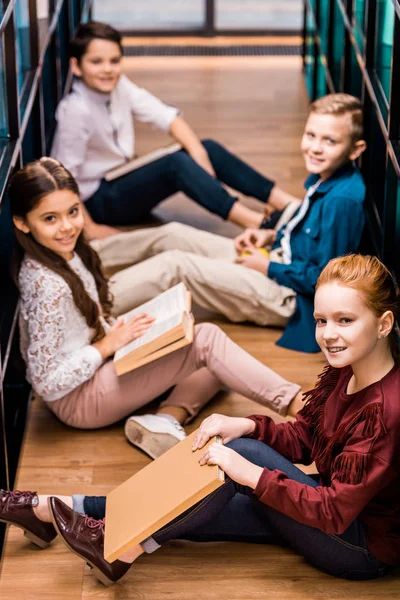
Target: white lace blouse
[[55, 338]]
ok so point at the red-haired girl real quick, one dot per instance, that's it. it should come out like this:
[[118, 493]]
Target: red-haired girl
[[346, 520]]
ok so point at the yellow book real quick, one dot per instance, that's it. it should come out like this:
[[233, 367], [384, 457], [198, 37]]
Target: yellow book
[[156, 495], [172, 329]]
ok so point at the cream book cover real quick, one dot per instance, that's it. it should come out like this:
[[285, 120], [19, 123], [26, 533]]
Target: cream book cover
[[141, 161], [172, 329]]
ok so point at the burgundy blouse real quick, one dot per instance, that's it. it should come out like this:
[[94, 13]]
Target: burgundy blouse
[[354, 440]]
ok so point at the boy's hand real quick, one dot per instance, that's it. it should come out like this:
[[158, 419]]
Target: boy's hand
[[122, 333], [256, 238], [254, 260], [235, 466], [229, 428]]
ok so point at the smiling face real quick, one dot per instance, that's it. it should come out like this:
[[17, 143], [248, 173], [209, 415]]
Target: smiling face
[[100, 67], [327, 143], [347, 331], [56, 222]]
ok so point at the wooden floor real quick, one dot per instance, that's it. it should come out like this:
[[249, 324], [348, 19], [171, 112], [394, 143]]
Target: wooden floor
[[257, 107]]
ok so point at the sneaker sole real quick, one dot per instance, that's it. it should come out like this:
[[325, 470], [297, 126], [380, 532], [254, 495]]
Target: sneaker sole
[[153, 444]]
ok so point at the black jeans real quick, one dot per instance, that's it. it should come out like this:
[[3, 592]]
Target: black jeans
[[129, 198], [233, 513]]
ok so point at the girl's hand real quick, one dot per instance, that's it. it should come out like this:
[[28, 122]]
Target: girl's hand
[[229, 428], [122, 333], [235, 466]]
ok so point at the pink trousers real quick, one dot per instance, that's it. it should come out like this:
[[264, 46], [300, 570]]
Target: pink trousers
[[197, 371]]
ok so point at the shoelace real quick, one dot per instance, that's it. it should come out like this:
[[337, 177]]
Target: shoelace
[[94, 523], [16, 494]]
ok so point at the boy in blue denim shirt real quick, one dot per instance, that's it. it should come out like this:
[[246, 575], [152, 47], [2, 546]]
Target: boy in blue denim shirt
[[233, 277]]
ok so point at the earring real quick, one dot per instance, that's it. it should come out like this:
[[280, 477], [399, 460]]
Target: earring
[[383, 336]]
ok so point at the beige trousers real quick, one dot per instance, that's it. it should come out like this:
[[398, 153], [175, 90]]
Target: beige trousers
[[198, 371], [204, 261]]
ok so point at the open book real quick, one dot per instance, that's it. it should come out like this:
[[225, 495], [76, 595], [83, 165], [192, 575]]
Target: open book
[[172, 329], [141, 161], [157, 494]]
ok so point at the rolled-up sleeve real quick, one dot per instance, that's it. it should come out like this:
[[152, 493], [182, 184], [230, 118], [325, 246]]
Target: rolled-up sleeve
[[146, 107]]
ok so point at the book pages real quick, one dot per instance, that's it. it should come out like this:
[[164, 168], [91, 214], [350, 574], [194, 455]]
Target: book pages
[[167, 309], [164, 306], [155, 331]]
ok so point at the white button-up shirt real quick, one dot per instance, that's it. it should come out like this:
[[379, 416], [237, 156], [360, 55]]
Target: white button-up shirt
[[95, 131]]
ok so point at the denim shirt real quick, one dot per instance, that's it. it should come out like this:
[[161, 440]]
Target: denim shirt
[[331, 227]]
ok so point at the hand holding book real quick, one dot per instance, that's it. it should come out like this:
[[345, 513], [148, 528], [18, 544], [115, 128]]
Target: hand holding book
[[172, 328], [233, 464], [123, 332], [229, 428]]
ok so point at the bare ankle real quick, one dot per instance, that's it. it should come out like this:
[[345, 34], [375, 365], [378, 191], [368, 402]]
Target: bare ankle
[[132, 555], [177, 412], [244, 216], [42, 512]]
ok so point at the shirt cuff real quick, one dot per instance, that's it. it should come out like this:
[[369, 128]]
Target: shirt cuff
[[165, 120], [256, 434], [274, 270], [93, 356], [262, 484]]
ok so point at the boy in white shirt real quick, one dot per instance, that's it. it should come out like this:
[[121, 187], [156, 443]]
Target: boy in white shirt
[[95, 133]]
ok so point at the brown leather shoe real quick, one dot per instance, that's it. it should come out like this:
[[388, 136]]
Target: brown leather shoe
[[16, 509], [84, 536]]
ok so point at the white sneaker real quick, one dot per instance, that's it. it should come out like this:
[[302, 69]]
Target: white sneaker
[[153, 434]]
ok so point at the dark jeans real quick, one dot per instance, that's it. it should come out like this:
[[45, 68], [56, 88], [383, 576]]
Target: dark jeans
[[129, 198], [233, 513]]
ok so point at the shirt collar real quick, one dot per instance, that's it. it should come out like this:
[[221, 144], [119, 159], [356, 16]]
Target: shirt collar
[[324, 187], [98, 97]]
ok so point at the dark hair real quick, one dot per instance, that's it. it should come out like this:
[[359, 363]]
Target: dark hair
[[375, 283], [27, 187], [92, 30]]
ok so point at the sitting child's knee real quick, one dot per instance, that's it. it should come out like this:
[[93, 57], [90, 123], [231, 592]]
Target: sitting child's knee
[[211, 145], [173, 228], [172, 257], [242, 445], [208, 330]]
